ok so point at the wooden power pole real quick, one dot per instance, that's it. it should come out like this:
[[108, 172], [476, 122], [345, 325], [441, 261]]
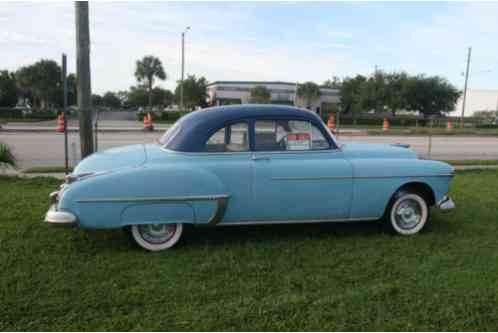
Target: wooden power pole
[[465, 88], [83, 74]]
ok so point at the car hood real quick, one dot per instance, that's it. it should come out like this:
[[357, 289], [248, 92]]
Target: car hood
[[111, 159], [369, 150]]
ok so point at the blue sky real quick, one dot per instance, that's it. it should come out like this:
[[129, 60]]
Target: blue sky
[[297, 41]]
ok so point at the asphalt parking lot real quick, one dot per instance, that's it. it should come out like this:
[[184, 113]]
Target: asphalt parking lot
[[47, 148]]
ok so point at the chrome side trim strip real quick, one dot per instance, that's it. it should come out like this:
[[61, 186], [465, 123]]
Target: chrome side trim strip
[[358, 177], [219, 212], [407, 176], [297, 221], [312, 178], [157, 199]]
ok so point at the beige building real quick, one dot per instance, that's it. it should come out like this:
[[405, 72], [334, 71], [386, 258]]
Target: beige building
[[238, 92], [477, 100]]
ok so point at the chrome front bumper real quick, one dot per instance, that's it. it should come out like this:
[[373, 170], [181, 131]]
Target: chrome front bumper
[[58, 217], [446, 203]]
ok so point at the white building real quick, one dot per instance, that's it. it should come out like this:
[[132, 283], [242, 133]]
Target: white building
[[238, 92], [477, 100]]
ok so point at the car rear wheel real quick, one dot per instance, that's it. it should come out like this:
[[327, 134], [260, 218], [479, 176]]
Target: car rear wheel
[[156, 237], [408, 213]]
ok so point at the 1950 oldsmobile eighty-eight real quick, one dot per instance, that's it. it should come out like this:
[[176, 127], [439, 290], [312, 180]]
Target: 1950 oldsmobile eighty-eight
[[248, 164]]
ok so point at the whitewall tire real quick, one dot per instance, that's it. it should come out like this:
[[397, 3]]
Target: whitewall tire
[[156, 237], [408, 214]]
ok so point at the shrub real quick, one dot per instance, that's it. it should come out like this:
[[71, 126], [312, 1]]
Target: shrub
[[6, 156]]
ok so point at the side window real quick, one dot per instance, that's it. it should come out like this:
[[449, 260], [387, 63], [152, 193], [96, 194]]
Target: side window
[[288, 135], [232, 138]]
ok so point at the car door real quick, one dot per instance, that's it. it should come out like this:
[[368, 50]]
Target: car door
[[227, 155], [297, 175]]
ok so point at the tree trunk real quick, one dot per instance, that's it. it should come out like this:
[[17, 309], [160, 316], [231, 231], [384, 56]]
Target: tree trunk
[[150, 94], [83, 74]]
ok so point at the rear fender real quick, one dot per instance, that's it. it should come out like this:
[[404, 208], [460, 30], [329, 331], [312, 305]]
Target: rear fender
[[150, 194]]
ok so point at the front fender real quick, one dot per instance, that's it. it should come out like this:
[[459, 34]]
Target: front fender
[[167, 194]]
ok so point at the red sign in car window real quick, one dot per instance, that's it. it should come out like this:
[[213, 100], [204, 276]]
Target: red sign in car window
[[298, 141]]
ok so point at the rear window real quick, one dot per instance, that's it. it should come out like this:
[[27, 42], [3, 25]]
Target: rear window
[[170, 134]]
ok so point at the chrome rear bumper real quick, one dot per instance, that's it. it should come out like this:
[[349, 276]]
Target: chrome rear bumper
[[446, 203]]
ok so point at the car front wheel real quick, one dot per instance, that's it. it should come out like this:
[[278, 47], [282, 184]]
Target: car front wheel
[[408, 213], [156, 237]]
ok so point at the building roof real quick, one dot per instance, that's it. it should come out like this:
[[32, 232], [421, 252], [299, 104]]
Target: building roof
[[263, 83], [251, 82], [197, 127]]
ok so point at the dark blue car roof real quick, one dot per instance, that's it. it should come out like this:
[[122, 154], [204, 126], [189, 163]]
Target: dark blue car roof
[[197, 127]]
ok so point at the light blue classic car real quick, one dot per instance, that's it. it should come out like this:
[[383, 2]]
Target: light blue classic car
[[248, 164]]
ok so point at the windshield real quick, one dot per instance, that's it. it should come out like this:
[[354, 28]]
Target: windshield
[[170, 134]]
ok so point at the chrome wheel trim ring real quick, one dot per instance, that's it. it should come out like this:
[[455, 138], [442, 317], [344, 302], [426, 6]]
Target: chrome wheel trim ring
[[162, 243], [157, 233], [409, 214]]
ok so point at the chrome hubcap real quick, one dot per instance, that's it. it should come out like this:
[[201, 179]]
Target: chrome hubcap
[[157, 233], [408, 214]]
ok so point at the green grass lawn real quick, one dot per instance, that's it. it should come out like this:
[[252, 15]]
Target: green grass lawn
[[347, 276]]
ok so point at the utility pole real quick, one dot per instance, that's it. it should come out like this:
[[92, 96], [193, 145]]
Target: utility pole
[[465, 86], [83, 74], [183, 67], [64, 111]]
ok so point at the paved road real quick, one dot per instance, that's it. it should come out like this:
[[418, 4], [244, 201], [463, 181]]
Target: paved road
[[47, 148]]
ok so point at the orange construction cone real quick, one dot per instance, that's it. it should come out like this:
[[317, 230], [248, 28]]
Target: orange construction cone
[[151, 125], [60, 123], [449, 125], [148, 122], [331, 122], [385, 126]]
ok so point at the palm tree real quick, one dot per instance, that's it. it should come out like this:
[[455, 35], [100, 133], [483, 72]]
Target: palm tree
[[147, 70], [6, 156], [308, 91]]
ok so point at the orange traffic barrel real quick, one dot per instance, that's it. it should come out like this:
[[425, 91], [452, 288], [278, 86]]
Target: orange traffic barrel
[[331, 122], [60, 123], [385, 125], [449, 125]]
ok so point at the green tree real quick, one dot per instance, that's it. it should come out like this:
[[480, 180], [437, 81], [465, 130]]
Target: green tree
[[308, 91], [123, 97], [41, 82], [354, 94], [137, 96], [148, 69], [162, 97], [431, 95], [375, 93], [395, 92], [8, 89], [335, 83], [194, 91], [97, 100], [260, 95], [111, 100]]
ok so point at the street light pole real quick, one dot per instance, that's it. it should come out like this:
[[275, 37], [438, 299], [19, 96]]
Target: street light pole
[[183, 67], [465, 86]]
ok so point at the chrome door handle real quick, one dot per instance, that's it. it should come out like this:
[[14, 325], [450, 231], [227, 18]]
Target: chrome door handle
[[260, 158]]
